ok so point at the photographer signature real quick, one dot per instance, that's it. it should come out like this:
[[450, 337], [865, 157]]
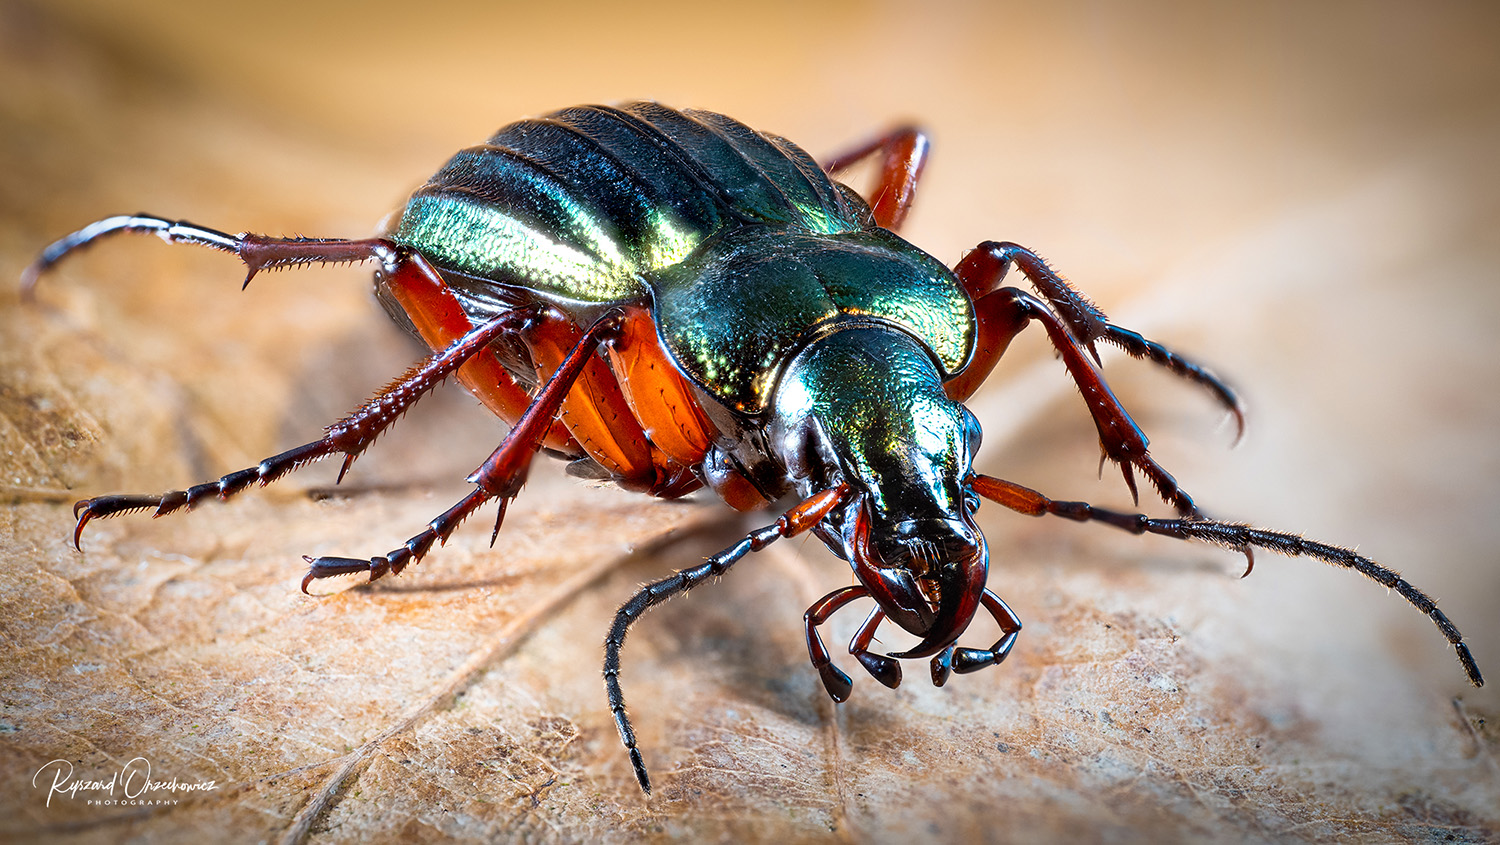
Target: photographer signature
[[132, 782]]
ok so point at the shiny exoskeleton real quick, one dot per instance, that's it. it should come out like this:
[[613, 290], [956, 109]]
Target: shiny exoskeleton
[[670, 299]]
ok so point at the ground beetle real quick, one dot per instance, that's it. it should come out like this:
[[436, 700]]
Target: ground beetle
[[670, 299]]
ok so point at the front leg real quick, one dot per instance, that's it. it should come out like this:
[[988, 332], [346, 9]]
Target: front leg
[[1002, 314], [984, 269]]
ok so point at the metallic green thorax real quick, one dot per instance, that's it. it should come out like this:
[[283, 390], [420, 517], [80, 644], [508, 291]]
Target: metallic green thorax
[[733, 313], [740, 242]]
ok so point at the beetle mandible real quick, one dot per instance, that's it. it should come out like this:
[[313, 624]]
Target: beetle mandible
[[564, 271]]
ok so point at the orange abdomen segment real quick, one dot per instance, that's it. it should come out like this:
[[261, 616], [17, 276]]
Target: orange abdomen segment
[[440, 320], [595, 412], [659, 396]]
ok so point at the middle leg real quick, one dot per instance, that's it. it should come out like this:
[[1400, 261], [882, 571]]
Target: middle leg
[[499, 477], [350, 436]]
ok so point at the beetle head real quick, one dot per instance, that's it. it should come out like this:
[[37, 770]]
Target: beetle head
[[865, 406]]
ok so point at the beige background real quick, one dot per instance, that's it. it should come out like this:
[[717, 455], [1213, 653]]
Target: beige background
[[1305, 198]]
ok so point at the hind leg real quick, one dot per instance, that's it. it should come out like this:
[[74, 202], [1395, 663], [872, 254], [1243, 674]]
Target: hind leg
[[405, 274]]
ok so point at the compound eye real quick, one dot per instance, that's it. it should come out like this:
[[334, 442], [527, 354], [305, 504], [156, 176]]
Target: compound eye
[[973, 433]]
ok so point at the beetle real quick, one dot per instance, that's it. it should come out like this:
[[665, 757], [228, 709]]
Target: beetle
[[670, 300]]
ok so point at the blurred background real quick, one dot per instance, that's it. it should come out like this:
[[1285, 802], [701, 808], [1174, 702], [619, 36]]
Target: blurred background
[[1304, 196]]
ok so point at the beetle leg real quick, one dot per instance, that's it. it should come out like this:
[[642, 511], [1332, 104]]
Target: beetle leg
[[1137, 346], [1002, 314], [966, 660], [903, 154], [404, 274], [835, 681], [351, 435], [982, 271], [499, 477], [985, 267], [259, 252], [1230, 535], [881, 667], [801, 517]]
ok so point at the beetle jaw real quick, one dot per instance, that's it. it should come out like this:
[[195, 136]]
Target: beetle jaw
[[927, 575]]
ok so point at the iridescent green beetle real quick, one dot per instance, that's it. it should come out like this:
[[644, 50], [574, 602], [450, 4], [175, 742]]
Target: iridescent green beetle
[[671, 300]]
